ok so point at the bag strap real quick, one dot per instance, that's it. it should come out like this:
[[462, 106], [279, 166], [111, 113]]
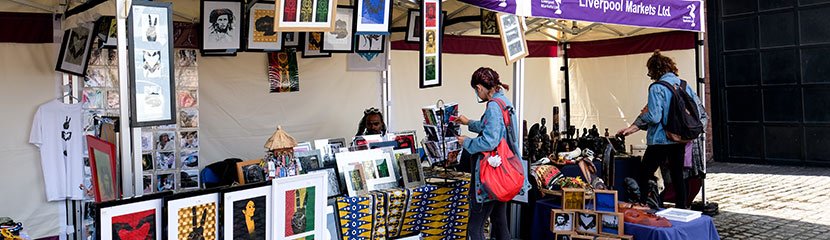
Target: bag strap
[[505, 114]]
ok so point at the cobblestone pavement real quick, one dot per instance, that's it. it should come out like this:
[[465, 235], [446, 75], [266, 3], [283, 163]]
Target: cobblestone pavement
[[770, 202]]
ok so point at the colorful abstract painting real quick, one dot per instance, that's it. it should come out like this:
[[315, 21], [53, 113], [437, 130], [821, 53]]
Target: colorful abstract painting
[[283, 74], [198, 222], [299, 213], [138, 225]]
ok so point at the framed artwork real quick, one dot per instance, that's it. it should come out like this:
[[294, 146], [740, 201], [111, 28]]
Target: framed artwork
[[413, 175], [302, 147], [75, 49], [189, 179], [563, 236], [581, 237], [431, 41], [192, 215], [250, 171], [147, 183], [305, 15], [587, 222], [189, 159], [489, 24], [353, 179], [370, 43], [342, 38], [327, 148], [246, 211], [313, 45], [413, 26], [221, 27], [283, 74], [333, 181], [373, 16], [512, 37], [291, 39], [309, 160], [107, 32], [612, 223], [152, 86], [561, 221], [377, 169], [299, 203], [261, 33], [605, 201], [102, 165], [406, 140], [133, 218], [573, 199], [165, 182], [371, 62]]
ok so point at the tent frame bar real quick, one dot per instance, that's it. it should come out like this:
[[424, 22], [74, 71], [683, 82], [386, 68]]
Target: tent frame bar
[[36, 5]]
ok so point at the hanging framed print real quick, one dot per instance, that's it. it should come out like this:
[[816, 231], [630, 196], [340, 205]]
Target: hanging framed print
[[291, 39], [373, 16], [305, 15], [371, 43], [133, 218], [489, 24], [413, 26], [299, 204], [192, 215], [75, 48], [247, 212], [512, 37], [313, 44], [152, 86], [342, 38], [261, 34], [221, 27], [107, 34], [431, 44], [102, 165]]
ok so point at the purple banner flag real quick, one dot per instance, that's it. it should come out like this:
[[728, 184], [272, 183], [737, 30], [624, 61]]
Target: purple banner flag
[[505, 6], [674, 14]]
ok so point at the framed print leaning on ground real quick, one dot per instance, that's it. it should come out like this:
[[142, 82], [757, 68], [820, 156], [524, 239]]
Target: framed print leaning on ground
[[512, 37], [299, 202], [75, 48], [152, 86], [261, 33], [134, 218], [247, 211], [192, 215], [305, 15]]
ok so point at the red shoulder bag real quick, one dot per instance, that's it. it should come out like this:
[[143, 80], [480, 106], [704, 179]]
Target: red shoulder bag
[[505, 180]]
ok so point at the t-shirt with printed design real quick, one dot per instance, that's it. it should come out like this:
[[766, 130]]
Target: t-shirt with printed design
[[57, 130]]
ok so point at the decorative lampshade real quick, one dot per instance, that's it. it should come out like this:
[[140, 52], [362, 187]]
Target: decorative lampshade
[[280, 140]]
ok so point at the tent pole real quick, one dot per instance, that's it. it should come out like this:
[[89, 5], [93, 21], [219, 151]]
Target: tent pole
[[386, 102], [518, 106], [701, 92], [128, 176], [567, 100]]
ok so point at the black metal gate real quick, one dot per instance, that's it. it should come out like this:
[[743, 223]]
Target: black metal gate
[[770, 72]]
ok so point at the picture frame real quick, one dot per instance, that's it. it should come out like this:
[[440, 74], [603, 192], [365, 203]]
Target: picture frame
[[573, 199], [75, 49], [581, 237], [291, 17], [489, 24], [353, 179], [562, 221], [411, 170], [334, 184], [587, 222], [413, 26], [309, 160], [370, 43], [250, 171], [430, 44], [152, 79], [313, 45], [221, 25], [102, 164], [295, 199], [373, 16], [246, 204], [327, 148], [130, 215], [407, 140], [192, 215], [513, 39], [612, 223], [378, 168], [605, 201], [107, 32], [563, 236], [261, 35], [341, 40], [292, 39]]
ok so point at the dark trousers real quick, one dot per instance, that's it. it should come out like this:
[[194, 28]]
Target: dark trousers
[[671, 155], [479, 212]]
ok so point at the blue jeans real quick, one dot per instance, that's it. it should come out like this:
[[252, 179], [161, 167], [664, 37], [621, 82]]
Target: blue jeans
[[479, 212]]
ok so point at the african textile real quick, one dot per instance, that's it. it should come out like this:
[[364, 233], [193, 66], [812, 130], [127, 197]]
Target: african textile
[[447, 212], [355, 217], [396, 204], [379, 223], [413, 219]]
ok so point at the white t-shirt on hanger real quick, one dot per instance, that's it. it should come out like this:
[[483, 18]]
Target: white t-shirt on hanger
[[57, 130]]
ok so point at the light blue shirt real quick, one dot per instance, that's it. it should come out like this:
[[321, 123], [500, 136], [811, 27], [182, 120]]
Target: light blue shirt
[[659, 99]]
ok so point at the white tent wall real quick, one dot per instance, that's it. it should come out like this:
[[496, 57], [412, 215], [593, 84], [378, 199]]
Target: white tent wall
[[610, 91], [29, 79]]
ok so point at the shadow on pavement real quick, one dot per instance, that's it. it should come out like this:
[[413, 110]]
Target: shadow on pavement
[[742, 168], [732, 225]]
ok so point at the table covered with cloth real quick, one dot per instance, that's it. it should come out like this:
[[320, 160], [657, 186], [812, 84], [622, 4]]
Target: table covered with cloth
[[702, 228], [434, 212]]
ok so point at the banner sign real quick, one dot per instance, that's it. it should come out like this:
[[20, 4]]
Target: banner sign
[[676, 14], [505, 6]]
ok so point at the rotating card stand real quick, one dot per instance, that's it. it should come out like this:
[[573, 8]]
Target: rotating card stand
[[442, 126]]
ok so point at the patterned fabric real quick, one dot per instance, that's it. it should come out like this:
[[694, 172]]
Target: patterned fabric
[[396, 204], [447, 214], [355, 217], [379, 224]]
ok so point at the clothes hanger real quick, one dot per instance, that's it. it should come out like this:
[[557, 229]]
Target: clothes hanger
[[68, 94]]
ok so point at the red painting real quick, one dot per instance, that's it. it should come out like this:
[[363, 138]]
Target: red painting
[[430, 13], [135, 226], [289, 14]]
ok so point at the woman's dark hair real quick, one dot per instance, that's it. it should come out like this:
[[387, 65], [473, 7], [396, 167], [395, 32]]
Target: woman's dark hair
[[658, 65], [361, 129], [488, 78]]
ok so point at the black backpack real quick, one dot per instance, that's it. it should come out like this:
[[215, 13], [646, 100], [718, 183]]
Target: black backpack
[[683, 124]]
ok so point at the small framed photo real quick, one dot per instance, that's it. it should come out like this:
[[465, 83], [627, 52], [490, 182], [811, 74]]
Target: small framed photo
[[561, 221], [413, 175], [341, 40], [309, 160], [165, 140], [291, 39], [612, 223], [133, 218], [189, 159], [165, 182], [250, 171], [189, 179], [563, 236], [378, 171], [313, 46], [75, 49], [299, 203], [333, 181], [192, 215], [147, 183], [102, 163], [573, 199], [605, 201], [512, 37], [165, 161], [189, 139], [413, 26], [306, 15], [587, 222], [354, 179], [247, 211], [261, 33], [370, 43], [489, 24], [221, 25]]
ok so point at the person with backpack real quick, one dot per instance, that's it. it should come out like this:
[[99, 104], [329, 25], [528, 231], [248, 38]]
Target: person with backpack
[[672, 120]]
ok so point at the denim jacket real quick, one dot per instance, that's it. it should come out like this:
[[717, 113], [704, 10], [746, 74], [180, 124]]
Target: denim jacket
[[491, 130], [659, 99]]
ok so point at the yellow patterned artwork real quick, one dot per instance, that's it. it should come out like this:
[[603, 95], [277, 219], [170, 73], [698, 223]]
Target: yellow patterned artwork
[[264, 30], [198, 222]]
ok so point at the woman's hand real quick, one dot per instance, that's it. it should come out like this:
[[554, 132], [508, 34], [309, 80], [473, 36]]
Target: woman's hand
[[628, 131], [461, 119], [461, 140]]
